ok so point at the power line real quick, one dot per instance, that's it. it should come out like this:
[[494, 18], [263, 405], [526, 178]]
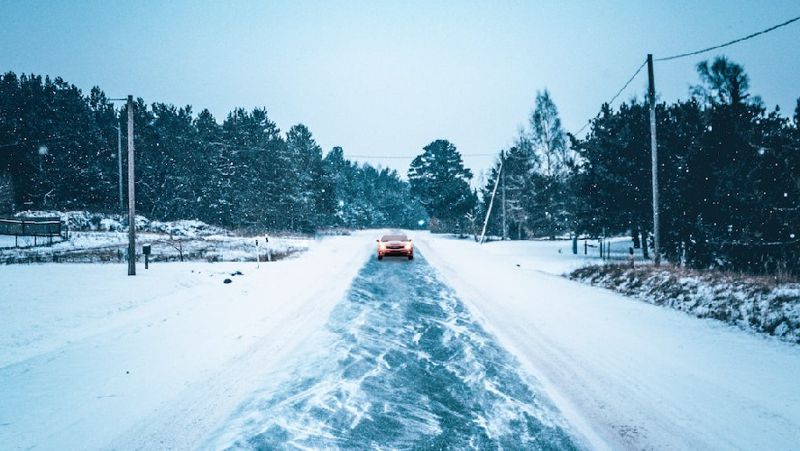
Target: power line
[[627, 83], [750, 36], [625, 86], [697, 52]]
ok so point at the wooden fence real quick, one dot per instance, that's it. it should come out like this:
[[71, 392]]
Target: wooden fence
[[35, 227]]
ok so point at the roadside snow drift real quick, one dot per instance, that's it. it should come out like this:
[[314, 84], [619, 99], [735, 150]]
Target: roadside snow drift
[[625, 373]]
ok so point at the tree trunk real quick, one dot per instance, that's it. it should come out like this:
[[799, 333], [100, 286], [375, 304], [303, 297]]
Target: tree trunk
[[635, 235], [575, 244]]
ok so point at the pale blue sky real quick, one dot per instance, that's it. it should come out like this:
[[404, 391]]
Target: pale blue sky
[[386, 78]]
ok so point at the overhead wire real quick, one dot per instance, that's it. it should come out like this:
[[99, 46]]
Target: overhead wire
[[726, 44], [625, 86], [687, 54]]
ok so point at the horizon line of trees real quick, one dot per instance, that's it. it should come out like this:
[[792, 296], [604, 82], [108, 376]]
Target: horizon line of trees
[[58, 151], [729, 172]]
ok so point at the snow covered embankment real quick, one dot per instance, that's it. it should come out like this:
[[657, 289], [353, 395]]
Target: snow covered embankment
[[100, 237], [751, 304]]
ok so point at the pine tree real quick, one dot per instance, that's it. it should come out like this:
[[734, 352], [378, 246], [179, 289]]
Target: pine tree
[[441, 182], [306, 178]]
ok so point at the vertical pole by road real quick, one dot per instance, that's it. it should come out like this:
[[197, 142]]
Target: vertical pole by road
[[651, 95], [503, 181], [131, 195], [491, 201], [119, 167]]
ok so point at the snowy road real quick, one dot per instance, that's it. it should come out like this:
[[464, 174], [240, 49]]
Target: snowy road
[[406, 367], [466, 346]]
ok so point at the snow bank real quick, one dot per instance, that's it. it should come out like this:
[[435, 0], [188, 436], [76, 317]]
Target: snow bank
[[91, 358], [94, 247], [749, 303], [626, 374], [99, 237]]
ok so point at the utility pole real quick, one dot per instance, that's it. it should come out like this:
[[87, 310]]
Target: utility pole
[[119, 165], [491, 201], [131, 195], [651, 94], [503, 181]]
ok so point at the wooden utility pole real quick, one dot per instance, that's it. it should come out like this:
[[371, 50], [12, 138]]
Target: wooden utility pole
[[505, 227], [491, 201], [131, 195], [651, 95], [119, 167]]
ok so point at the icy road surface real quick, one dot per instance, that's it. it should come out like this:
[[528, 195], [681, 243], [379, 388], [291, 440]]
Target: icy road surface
[[406, 367]]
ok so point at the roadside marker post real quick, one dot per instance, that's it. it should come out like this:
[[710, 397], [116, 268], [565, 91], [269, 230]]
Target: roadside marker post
[[146, 252]]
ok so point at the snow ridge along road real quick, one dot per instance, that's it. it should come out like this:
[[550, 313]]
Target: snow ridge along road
[[625, 374], [405, 367]]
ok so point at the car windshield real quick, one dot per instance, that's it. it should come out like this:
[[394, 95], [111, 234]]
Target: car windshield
[[394, 238]]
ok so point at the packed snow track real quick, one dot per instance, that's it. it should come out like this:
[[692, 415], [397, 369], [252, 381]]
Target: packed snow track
[[406, 367]]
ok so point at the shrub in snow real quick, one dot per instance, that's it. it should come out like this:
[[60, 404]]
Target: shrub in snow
[[751, 303]]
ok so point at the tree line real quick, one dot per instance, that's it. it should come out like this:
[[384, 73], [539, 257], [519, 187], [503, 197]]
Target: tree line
[[729, 172], [58, 151]]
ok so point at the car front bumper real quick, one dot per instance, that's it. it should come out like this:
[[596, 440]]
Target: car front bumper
[[396, 252]]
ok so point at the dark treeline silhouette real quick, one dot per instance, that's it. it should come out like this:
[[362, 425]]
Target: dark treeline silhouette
[[729, 177], [58, 151], [440, 181]]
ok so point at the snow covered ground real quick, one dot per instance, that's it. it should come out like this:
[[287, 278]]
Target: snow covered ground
[[625, 373], [88, 247], [754, 303], [101, 237], [91, 358], [296, 352]]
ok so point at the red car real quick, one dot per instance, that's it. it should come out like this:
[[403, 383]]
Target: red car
[[395, 246]]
